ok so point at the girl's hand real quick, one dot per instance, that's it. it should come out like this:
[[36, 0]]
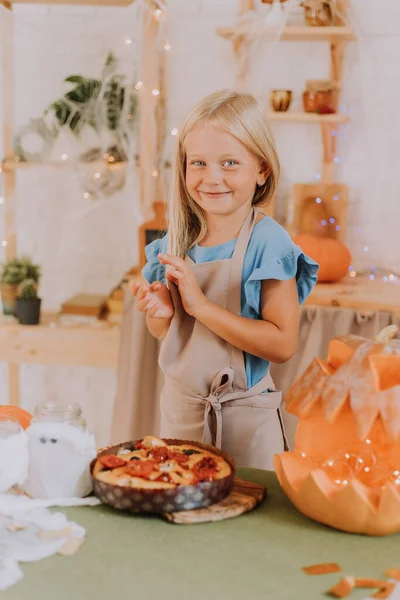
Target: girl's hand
[[180, 273], [155, 300]]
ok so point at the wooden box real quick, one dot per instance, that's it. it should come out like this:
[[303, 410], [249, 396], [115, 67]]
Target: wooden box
[[85, 304]]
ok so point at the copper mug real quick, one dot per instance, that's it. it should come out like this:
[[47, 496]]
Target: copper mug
[[281, 100]]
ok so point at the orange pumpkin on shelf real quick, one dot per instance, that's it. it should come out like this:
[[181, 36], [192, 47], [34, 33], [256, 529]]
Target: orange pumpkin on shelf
[[345, 468], [333, 256], [21, 415]]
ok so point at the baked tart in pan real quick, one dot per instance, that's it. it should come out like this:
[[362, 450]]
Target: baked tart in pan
[[162, 475]]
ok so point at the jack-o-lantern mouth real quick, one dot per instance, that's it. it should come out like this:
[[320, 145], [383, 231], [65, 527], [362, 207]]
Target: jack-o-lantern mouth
[[353, 507], [363, 373]]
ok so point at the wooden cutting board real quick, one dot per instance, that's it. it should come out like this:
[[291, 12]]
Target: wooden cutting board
[[244, 496]]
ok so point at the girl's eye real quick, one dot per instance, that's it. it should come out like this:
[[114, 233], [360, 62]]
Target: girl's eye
[[229, 163], [198, 163]]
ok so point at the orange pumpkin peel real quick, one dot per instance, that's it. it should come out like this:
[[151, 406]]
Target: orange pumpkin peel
[[393, 574], [343, 588], [322, 569], [15, 412], [347, 584]]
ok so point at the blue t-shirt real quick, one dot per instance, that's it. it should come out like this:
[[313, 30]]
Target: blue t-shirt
[[270, 254]]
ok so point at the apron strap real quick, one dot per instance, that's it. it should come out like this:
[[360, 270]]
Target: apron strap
[[236, 265], [236, 356]]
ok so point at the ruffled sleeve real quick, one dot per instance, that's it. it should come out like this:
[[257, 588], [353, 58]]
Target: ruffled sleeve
[[293, 264], [153, 269]]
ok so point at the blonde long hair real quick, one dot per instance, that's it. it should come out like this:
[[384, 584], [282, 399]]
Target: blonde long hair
[[244, 117]]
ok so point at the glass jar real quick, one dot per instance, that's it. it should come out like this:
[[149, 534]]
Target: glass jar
[[318, 102], [61, 450], [54, 412], [319, 96], [318, 13]]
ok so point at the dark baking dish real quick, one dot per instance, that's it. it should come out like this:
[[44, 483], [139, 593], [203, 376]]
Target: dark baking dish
[[185, 497]]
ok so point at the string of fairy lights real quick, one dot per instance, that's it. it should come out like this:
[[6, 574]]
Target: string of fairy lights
[[373, 273], [367, 466], [156, 10], [159, 14]]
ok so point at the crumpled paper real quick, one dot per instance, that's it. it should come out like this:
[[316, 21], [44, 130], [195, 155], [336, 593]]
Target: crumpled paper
[[59, 459], [30, 532], [14, 460]]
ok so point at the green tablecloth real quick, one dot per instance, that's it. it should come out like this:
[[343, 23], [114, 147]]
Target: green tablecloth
[[255, 556]]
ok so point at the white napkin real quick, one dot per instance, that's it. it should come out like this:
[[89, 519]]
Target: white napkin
[[51, 461], [29, 535], [14, 460], [14, 505], [10, 573]]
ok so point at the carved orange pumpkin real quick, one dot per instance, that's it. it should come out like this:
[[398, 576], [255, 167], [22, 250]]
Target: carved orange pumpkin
[[17, 413], [345, 469], [333, 256]]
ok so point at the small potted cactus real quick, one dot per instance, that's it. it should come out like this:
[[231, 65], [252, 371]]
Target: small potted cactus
[[12, 273], [27, 307]]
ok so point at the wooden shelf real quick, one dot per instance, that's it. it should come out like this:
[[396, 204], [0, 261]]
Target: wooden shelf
[[13, 165], [303, 117], [358, 294], [302, 34], [282, 117], [319, 34], [56, 343], [53, 342], [75, 2]]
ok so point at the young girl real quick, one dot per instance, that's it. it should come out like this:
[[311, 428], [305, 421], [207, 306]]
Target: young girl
[[222, 289]]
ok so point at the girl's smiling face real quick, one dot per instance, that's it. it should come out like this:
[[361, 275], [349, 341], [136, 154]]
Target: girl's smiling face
[[221, 173]]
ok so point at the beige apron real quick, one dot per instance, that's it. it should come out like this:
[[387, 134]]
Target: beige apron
[[205, 396]]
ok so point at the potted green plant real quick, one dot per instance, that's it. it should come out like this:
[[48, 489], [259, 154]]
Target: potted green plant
[[99, 103], [12, 273], [27, 307]]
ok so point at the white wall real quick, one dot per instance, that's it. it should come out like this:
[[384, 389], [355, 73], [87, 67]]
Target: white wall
[[368, 147], [84, 247]]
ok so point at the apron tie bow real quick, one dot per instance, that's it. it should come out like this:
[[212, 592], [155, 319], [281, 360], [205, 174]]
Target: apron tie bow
[[213, 407]]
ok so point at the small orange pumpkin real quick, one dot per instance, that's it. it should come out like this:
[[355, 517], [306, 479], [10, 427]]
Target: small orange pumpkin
[[333, 256], [21, 415], [345, 468]]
